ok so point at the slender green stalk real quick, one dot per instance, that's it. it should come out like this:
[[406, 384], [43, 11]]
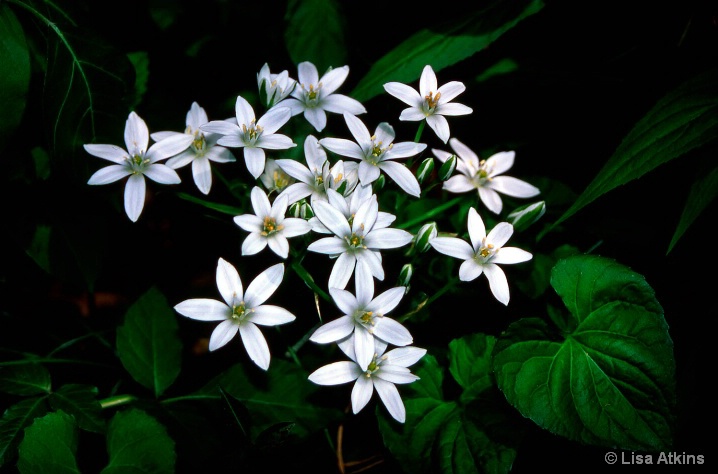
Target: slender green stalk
[[449, 284], [304, 275], [116, 401], [428, 215], [185, 398], [420, 130]]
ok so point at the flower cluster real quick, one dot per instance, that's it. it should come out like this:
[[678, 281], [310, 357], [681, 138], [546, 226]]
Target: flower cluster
[[332, 206]]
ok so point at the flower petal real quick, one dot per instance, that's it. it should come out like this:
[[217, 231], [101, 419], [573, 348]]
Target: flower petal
[[328, 245], [342, 271], [340, 103], [135, 196], [229, 283], [361, 393], [404, 356], [254, 243], [333, 330], [453, 247], [332, 218], [279, 245], [162, 174], [500, 234], [390, 397], [513, 187], [402, 176], [264, 285], [109, 174], [336, 373], [222, 334], [274, 119], [491, 199], [440, 126], [255, 344], [470, 270], [111, 153], [392, 332], [404, 93], [254, 158], [270, 315], [509, 255], [477, 229], [342, 146], [497, 282], [203, 309]]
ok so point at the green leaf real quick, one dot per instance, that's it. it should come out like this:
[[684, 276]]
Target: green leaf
[[443, 46], [24, 379], [610, 381], [223, 208], [703, 192], [14, 73], [39, 247], [141, 62], [503, 66], [450, 437], [281, 395], [81, 402], [148, 343], [14, 421], [684, 119], [315, 33], [138, 443], [49, 445]]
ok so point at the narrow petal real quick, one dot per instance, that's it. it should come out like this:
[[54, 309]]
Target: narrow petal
[[465, 152], [372, 259], [340, 103], [450, 90], [328, 246], [470, 270], [404, 149], [332, 218], [279, 245], [363, 347], [361, 393], [333, 79], [294, 226], [345, 300], [358, 130], [477, 229], [135, 190], [183, 159], [458, 184], [254, 243], [109, 174], [342, 146], [275, 142], [274, 119], [297, 191], [386, 301], [402, 176], [255, 344], [254, 158], [270, 315], [364, 285], [307, 73], [264, 285], [137, 136], [221, 127], [427, 81], [333, 330], [336, 373], [243, 111], [342, 271], [404, 356], [500, 234], [412, 115], [162, 174], [491, 199], [368, 173], [296, 170], [249, 222], [169, 147], [508, 255], [220, 154], [390, 397], [222, 334], [440, 126], [229, 283], [404, 93], [393, 332], [203, 309], [453, 247], [513, 187], [396, 374], [260, 202], [111, 153], [316, 117], [497, 282], [453, 109], [500, 162]]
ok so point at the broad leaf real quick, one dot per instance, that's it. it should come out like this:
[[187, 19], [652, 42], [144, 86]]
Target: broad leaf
[[148, 343], [443, 46], [683, 120], [136, 442], [81, 402], [14, 73], [474, 434], [49, 445], [608, 379], [315, 33], [14, 421], [278, 396], [703, 192], [24, 379]]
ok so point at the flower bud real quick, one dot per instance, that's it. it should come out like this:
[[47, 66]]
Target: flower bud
[[425, 169], [306, 211], [524, 216], [447, 168], [425, 234], [379, 184], [405, 274]]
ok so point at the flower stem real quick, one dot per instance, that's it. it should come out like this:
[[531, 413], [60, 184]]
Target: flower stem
[[449, 284], [428, 215], [304, 275], [422, 124], [116, 401]]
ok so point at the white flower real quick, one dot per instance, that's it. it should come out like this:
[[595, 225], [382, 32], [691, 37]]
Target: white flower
[[251, 134], [241, 311], [359, 240], [274, 88], [201, 148], [382, 373], [377, 153], [315, 96], [268, 226], [137, 162], [484, 253], [274, 178], [364, 318], [317, 177], [483, 175], [430, 103], [349, 206]]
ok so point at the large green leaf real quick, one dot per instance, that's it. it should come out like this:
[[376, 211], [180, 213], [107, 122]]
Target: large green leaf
[[278, 396], [683, 120], [315, 33], [444, 45], [608, 379], [49, 445], [703, 192], [471, 435], [14, 73], [14, 421], [148, 342], [81, 402], [24, 379], [138, 443]]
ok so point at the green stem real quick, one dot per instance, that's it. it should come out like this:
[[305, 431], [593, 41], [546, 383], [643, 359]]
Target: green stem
[[189, 397], [50, 360], [449, 284], [422, 124], [304, 275], [116, 401], [428, 215]]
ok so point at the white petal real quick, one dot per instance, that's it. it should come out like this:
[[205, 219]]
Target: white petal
[[137, 136], [203, 309], [477, 229], [358, 130], [255, 344], [294, 226], [514, 187], [361, 393], [333, 79], [392, 400], [339, 104], [396, 374], [260, 202], [363, 346], [307, 74], [368, 173], [452, 109], [109, 174], [404, 149], [333, 330], [342, 271], [162, 174], [342, 146], [453, 247], [345, 300], [270, 315], [491, 199], [386, 301], [404, 356], [316, 117], [458, 184], [229, 283], [450, 90], [500, 234], [336, 373], [402, 176], [372, 258], [470, 270], [440, 126], [264, 285], [387, 238], [497, 282], [169, 147], [243, 111], [364, 285], [221, 127], [508, 255], [135, 196], [427, 81], [332, 218], [279, 245], [111, 153], [405, 93], [249, 222], [254, 158], [254, 243], [275, 142], [183, 159], [500, 162], [412, 115], [274, 119], [328, 245], [222, 334], [296, 170], [393, 332]]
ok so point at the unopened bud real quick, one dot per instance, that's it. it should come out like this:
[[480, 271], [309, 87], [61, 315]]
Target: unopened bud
[[301, 209], [379, 184], [524, 216], [425, 169], [447, 168], [405, 274], [425, 234]]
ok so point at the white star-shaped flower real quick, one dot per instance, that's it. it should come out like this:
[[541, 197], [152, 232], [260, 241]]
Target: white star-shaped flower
[[274, 88], [484, 253], [384, 371], [268, 225], [201, 148], [364, 318], [377, 153], [359, 240], [137, 161], [484, 176], [430, 103], [251, 134], [241, 311], [315, 96], [274, 178], [349, 205], [318, 175]]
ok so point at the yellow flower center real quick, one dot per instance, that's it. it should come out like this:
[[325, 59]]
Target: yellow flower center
[[253, 132], [239, 311], [270, 226], [431, 101]]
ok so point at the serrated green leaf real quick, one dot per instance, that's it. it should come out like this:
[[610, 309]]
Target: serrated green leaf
[[49, 445], [315, 33], [470, 362], [24, 379], [148, 342], [14, 73], [279, 396], [684, 119], [702, 193], [138, 443], [80, 401], [443, 46], [609, 382], [14, 421]]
